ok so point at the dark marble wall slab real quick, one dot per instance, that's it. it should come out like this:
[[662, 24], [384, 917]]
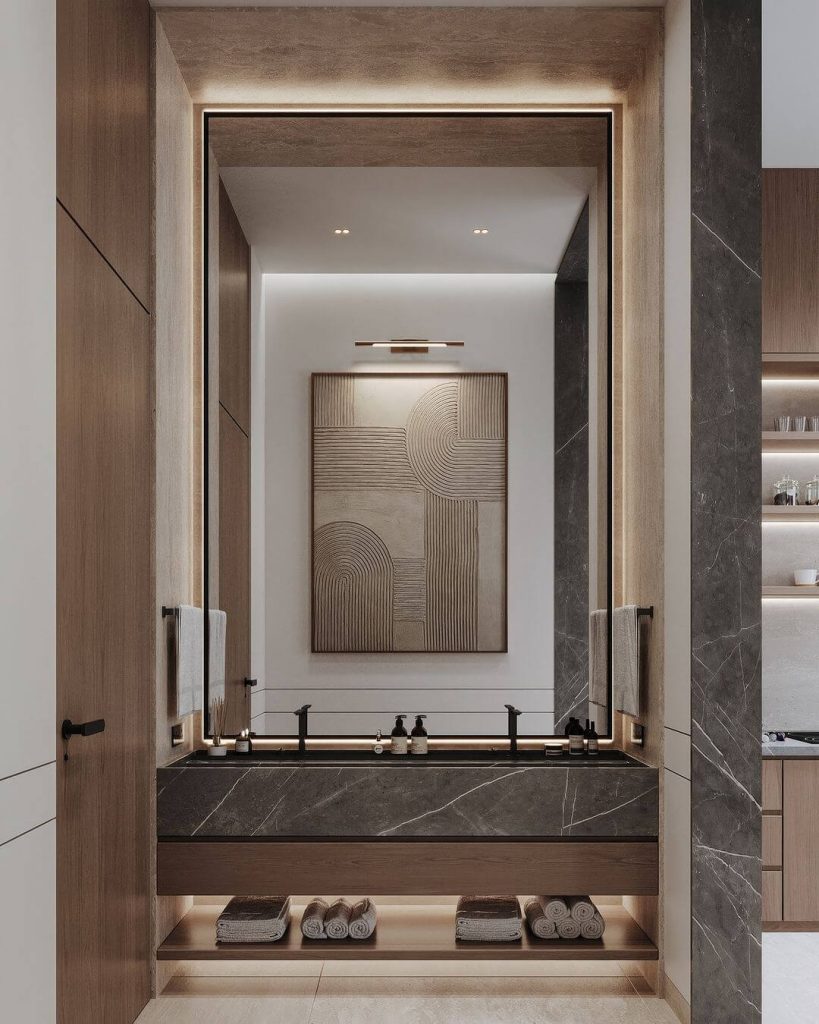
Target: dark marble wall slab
[[571, 481], [443, 802], [725, 521]]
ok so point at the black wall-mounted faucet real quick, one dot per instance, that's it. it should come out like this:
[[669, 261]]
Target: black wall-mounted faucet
[[301, 714], [513, 715]]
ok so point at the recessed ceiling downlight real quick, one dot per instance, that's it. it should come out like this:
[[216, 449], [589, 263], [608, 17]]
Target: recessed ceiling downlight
[[341, 231], [480, 231]]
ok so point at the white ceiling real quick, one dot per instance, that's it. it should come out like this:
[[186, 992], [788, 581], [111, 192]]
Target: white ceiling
[[408, 220]]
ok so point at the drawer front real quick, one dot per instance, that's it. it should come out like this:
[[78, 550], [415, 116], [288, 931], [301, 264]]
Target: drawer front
[[394, 868], [771, 785], [772, 841], [800, 843], [771, 896]]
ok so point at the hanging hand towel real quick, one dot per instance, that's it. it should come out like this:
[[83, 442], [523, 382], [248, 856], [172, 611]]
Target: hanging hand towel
[[599, 658], [217, 628], [626, 668], [190, 659]]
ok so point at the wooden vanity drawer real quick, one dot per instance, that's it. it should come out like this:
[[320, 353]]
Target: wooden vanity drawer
[[772, 841], [771, 785], [398, 868], [771, 896]]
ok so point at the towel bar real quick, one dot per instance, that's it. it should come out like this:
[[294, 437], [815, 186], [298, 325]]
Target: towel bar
[[649, 611], [166, 611]]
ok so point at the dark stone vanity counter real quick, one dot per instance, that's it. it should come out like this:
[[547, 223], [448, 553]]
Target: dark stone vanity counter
[[443, 796]]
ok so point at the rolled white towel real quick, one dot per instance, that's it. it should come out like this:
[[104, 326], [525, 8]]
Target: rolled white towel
[[337, 920], [312, 920], [555, 908], [539, 925], [363, 919], [594, 928], [568, 928], [581, 908]]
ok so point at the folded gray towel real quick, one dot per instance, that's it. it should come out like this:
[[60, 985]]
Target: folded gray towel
[[568, 928], [254, 919], [539, 924], [488, 919], [312, 920], [594, 928], [337, 920], [555, 908], [363, 919], [581, 908]]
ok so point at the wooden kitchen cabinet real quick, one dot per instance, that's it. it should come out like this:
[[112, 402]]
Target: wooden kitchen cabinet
[[800, 841]]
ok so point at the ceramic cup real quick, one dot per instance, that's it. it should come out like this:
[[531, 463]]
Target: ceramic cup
[[782, 423], [799, 423], [805, 577]]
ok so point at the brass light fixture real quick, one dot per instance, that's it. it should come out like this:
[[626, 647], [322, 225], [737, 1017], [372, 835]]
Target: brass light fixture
[[399, 346]]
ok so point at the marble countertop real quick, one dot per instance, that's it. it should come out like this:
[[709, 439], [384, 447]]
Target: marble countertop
[[790, 748]]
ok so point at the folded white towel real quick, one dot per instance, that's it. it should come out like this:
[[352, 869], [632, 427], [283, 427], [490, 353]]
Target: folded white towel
[[555, 908], [312, 920], [217, 629], [363, 919], [568, 928], [626, 668], [190, 659], [581, 908], [337, 920], [594, 928], [539, 925]]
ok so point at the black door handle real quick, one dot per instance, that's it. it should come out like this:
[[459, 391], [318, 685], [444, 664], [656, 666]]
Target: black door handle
[[70, 728], [251, 682]]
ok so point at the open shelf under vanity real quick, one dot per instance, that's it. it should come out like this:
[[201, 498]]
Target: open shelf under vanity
[[405, 932]]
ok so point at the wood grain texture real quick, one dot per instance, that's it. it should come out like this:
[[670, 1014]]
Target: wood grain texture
[[771, 896], [234, 567], [772, 841], [800, 866], [234, 314], [405, 933], [771, 785], [420, 868], [103, 130], [790, 253], [408, 141], [257, 55], [105, 630]]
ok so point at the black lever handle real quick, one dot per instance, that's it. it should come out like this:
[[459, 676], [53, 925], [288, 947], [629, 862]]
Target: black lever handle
[[70, 728], [251, 682]]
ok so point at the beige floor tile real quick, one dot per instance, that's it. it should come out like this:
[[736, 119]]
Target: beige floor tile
[[471, 969], [232, 1001]]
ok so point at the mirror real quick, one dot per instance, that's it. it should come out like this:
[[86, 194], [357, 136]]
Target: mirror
[[408, 421]]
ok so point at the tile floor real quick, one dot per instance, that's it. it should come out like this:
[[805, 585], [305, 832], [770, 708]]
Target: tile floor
[[423, 992], [790, 980]]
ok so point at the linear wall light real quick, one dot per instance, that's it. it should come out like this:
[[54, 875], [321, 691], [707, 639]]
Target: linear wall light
[[414, 345]]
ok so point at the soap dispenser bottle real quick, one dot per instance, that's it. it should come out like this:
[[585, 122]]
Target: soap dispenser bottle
[[398, 738], [419, 740], [575, 734], [592, 745]]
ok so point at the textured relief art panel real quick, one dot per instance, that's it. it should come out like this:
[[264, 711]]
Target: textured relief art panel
[[409, 512]]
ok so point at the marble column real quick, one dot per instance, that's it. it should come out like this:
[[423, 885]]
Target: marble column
[[571, 481], [725, 506]]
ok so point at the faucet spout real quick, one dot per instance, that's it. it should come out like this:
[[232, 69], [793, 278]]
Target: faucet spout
[[301, 714], [512, 721]]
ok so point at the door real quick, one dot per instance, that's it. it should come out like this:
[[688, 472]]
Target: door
[[105, 646]]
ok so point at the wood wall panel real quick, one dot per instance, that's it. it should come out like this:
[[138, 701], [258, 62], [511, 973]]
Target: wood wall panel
[[771, 896], [105, 630], [234, 314], [771, 785], [437, 868], [800, 867], [103, 130], [790, 253], [772, 841], [234, 566]]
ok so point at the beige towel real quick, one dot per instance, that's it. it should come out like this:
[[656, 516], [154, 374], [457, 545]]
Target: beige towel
[[626, 668], [599, 657], [254, 919], [594, 928], [555, 908], [217, 628], [363, 919], [488, 919], [581, 908], [190, 659], [312, 920], [539, 925], [568, 928], [337, 920]]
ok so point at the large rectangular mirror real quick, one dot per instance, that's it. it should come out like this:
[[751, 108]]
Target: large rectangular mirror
[[408, 443]]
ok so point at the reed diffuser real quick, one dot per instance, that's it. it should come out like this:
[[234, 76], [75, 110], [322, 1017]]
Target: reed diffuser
[[217, 726]]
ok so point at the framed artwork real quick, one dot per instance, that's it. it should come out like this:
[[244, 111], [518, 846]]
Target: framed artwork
[[409, 495]]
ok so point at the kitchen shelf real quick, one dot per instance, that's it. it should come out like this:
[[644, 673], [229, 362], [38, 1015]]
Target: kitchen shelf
[[778, 365], [790, 513], [410, 932], [790, 441], [808, 593]]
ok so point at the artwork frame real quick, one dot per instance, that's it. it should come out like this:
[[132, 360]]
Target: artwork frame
[[465, 500]]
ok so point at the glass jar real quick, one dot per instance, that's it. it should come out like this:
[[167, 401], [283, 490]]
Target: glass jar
[[812, 491], [786, 491]]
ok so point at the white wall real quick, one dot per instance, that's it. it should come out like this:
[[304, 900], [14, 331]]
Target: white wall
[[311, 322], [676, 875], [27, 512], [790, 83]]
